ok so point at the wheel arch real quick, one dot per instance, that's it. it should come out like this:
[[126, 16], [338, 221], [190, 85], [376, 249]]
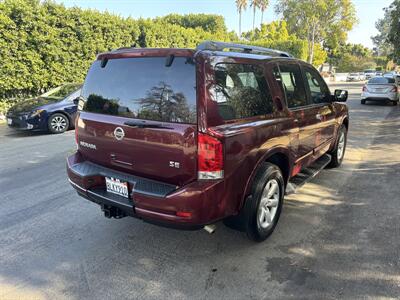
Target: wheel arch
[[345, 122], [279, 156]]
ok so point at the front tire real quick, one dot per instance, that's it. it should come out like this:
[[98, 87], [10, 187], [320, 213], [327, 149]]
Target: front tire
[[395, 102], [363, 101], [340, 147], [58, 123]]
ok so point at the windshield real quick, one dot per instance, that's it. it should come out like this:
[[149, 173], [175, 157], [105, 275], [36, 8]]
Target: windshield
[[61, 92], [143, 88], [381, 80]]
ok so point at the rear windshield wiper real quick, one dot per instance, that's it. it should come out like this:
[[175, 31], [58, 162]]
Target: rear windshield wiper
[[145, 125]]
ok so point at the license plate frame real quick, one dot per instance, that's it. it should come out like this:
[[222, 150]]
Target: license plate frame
[[117, 187]]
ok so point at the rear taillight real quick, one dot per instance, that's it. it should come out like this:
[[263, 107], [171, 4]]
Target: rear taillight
[[210, 157], [394, 89], [364, 88]]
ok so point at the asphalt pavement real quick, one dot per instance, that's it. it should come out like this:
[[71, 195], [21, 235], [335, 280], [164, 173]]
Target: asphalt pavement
[[338, 237]]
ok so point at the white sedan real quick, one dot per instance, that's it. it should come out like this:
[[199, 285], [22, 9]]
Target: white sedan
[[381, 89]]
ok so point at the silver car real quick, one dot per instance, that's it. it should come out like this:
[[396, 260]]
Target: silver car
[[380, 88]]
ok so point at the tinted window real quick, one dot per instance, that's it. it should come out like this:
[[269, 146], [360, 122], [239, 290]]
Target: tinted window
[[290, 79], [142, 88], [241, 91], [319, 91], [381, 80]]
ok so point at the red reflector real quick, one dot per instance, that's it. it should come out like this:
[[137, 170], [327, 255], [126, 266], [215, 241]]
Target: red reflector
[[364, 88], [210, 157], [184, 214], [394, 89]]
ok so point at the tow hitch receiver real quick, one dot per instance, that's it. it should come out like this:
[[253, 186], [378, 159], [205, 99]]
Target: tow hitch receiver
[[112, 212]]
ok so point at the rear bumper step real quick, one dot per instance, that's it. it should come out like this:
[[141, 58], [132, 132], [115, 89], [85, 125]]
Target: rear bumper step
[[307, 174], [141, 185], [152, 201]]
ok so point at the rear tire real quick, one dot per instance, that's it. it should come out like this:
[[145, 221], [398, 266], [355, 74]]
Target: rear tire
[[262, 209], [58, 123], [395, 102], [340, 147], [363, 101]]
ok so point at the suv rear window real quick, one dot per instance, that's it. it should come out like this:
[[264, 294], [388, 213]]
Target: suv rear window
[[381, 80], [143, 88]]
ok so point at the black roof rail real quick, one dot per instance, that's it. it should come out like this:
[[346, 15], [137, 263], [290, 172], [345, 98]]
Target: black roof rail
[[221, 46]]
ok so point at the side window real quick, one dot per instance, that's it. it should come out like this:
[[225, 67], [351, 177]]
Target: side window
[[318, 89], [290, 79], [241, 91]]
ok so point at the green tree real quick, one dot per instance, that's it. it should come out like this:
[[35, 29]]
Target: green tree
[[263, 7], [254, 4], [275, 35], [318, 21], [382, 45], [355, 57], [241, 6], [393, 36]]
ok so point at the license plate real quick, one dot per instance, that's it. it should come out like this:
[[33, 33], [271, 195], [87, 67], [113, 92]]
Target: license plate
[[117, 187], [9, 121]]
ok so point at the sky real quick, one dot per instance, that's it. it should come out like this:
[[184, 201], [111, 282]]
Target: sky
[[368, 12]]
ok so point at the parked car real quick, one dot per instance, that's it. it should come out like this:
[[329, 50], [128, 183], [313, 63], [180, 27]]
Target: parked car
[[369, 74], [390, 74], [379, 73], [394, 76], [53, 111], [381, 89], [185, 138], [397, 78], [353, 77], [361, 76]]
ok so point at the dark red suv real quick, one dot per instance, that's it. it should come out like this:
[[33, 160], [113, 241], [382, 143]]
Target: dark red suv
[[188, 137]]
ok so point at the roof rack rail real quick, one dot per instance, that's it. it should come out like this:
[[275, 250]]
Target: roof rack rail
[[221, 46]]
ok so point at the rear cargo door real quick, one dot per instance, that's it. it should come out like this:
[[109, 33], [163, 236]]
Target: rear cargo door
[[138, 115]]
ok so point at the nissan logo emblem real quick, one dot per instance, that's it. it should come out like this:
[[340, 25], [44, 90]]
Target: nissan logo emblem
[[119, 133]]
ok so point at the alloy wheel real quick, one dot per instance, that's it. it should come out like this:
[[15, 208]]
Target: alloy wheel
[[341, 143], [58, 124], [269, 204]]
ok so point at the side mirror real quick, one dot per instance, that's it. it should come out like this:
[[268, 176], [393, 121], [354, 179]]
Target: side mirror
[[341, 95], [76, 101]]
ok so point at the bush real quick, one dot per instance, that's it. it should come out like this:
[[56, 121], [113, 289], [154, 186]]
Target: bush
[[44, 44], [5, 104]]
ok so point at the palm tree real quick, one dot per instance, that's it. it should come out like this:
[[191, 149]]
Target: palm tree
[[241, 6], [263, 5], [255, 4]]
